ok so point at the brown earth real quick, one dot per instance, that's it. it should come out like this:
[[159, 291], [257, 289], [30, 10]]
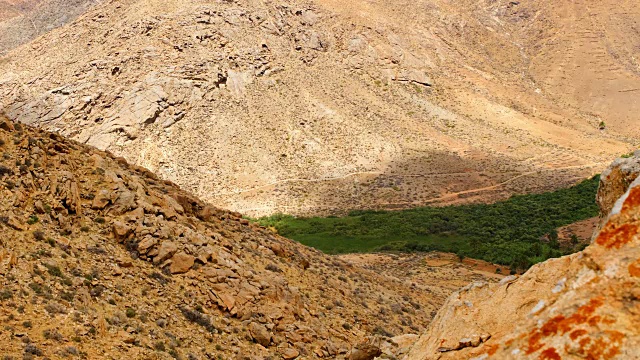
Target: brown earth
[[316, 107], [103, 260], [582, 306]]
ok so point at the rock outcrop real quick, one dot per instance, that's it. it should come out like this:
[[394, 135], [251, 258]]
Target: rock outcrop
[[102, 259], [582, 306]]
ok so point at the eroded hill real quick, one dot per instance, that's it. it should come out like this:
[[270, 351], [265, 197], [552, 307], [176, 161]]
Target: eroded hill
[[315, 107]]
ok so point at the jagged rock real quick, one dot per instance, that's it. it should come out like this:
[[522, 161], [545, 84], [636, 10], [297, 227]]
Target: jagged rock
[[166, 251], [566, 307], [39, 207], [146, 243], [181, 263], [16, 224], [101, 200], [365, 351], [260, 334], [121, 230]]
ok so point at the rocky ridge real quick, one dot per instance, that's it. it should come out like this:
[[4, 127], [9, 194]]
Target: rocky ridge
[[102, 259], [586, 305]]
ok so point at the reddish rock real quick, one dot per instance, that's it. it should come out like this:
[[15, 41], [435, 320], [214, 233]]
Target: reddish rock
[[181, 263]]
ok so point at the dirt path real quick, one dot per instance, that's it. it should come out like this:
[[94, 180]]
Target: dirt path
[[428, 201]]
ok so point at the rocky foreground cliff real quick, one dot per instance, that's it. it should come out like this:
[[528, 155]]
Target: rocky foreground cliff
[[100, 259], [583, 306]]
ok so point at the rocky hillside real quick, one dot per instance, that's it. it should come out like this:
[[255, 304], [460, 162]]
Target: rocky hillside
[[102, 259], [23, 20], [583, 306], [316, 106]]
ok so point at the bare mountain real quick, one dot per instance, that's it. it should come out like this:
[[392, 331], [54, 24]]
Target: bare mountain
[[322, 106], [23, 20]]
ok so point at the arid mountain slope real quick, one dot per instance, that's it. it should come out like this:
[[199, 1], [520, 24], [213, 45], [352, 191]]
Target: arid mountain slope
[[321, 106], [101, 258], [23, 20], [582, 306]]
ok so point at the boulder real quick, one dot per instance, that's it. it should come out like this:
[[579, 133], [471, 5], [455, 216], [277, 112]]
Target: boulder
[[100, 200], [365, 351], [121, 230], [290, 354], [260, 334], [181, 263], [166, 251]]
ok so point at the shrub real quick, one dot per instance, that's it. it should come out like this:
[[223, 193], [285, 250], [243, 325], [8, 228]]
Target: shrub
[[198, 318], [32, 349], [131, 313], [54, 270], [32, 219], [273, 267], [5, 294], [38, 235], [52, 334]]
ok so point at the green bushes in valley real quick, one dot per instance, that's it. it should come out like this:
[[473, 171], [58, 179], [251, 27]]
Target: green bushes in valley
[[518, 232]]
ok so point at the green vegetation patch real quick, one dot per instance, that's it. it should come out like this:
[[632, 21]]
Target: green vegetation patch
[[518, 232]]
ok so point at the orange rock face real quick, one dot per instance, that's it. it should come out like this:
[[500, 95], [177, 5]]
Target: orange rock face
[[586, 305]]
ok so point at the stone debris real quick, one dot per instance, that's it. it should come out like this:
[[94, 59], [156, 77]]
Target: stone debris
[[104, 256]]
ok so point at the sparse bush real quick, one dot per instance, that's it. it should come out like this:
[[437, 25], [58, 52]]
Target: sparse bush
[[159, 278], [378, 330], [5, 171], [54, 270], [52, 334], [198, 318], [55, 308], [38, 235], [5, 294], [70, 350], [32, 349], [159, 346], [131, 313], [27, 324], [33, 219], [273, 267]]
